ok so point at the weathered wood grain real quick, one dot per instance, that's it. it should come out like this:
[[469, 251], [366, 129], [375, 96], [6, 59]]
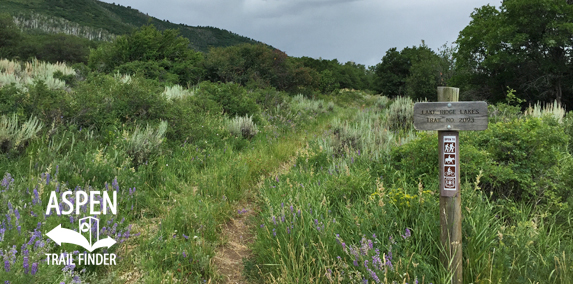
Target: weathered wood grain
[[458, 116], [451, 201]]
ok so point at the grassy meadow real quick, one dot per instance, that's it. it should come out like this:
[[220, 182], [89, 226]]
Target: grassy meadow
[[339, 188]]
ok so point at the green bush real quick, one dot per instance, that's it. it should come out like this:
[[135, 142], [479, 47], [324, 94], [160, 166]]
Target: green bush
[[149, 69], [523, 159], [568, 125], [101, 100], [529, 150], [232, 97], [193, 119]]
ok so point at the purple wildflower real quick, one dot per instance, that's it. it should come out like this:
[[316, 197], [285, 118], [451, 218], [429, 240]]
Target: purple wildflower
[[407, 234], [374, 276], [7, 266]]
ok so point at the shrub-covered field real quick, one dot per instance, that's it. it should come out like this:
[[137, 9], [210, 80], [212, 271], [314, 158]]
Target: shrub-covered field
[[339, 187]]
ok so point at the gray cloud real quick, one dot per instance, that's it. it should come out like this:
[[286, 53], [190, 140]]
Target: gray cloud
[[349, 30]]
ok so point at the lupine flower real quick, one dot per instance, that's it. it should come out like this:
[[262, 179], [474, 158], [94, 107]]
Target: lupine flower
[[407, 234], [7, 266], [274, 232], [184, 254], [115, 185], [274, 220], [36, 197], [186, 237], [374, 276]]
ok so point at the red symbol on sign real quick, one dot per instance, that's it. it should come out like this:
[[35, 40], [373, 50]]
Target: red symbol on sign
[[450, 148], [450, 183], [450, 171], [449, 159]]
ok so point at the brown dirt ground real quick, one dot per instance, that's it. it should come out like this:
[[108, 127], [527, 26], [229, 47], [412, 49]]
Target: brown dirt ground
[[229, 257]]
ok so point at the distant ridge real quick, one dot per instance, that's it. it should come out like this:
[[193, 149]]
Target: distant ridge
[[112, 19]]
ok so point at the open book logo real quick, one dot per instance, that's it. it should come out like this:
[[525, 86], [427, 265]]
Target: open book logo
[[89, 226]]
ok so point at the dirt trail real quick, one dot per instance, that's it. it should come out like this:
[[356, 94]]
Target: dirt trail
[[229, 257], [240, 236]]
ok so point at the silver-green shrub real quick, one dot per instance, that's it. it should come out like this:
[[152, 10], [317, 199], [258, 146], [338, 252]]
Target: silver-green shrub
[[330, 106], [242, 126], [142, 144], [11, 72], [400, 114], [554, 110], [14, 136], [382, 102], [177, 92], [301, 104]]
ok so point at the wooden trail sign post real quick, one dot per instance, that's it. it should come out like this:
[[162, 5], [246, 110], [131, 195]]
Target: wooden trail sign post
[[448, 116]]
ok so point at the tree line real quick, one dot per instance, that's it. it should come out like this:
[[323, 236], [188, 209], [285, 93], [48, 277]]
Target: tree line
[[524, 46]]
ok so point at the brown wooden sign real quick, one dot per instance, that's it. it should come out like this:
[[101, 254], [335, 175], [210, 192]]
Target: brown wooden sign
[[450, 116]]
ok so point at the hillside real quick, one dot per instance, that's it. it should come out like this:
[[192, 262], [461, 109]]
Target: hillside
[[117, 19]]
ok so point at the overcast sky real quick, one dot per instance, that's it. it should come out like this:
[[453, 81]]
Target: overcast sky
[[348, 30]]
